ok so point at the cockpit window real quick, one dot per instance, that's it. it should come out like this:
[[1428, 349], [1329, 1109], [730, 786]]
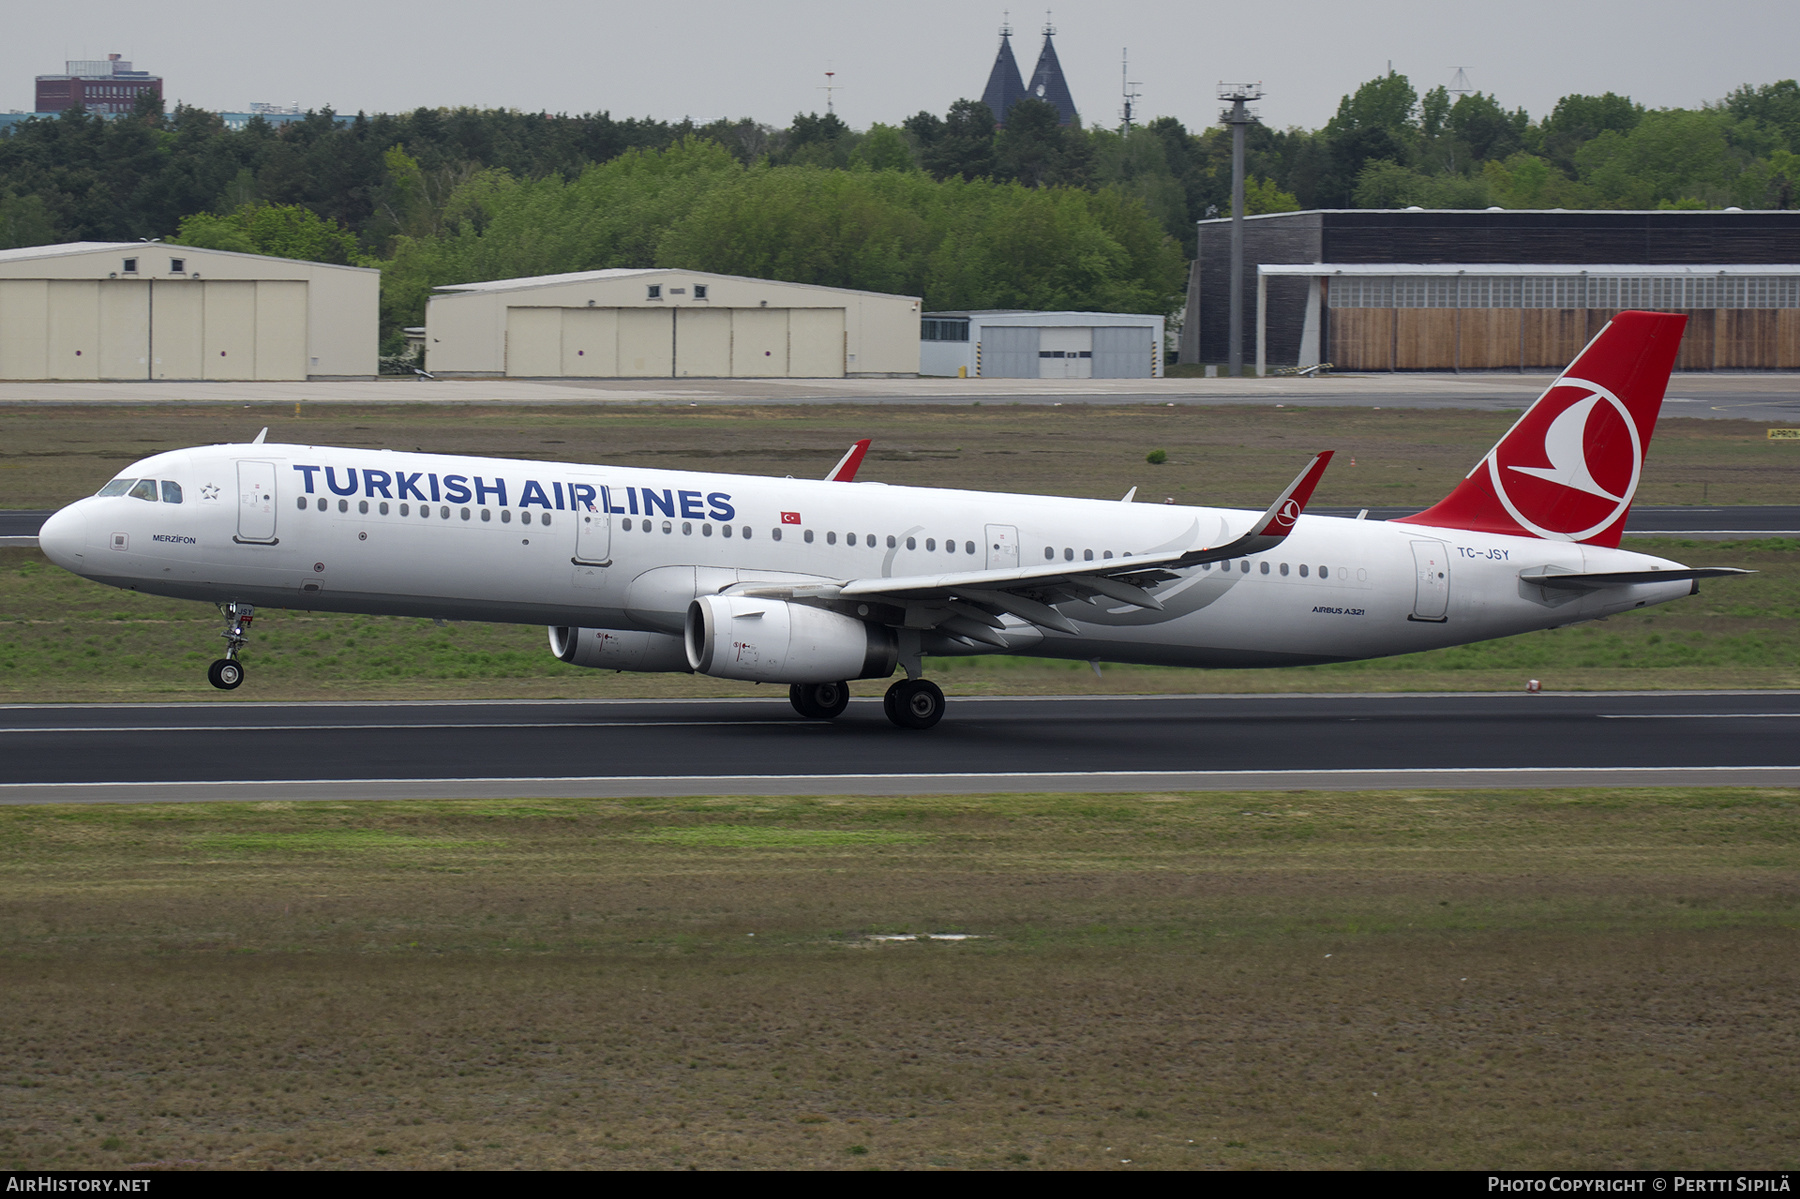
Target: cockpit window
[[145, 490], [117, 487], [171, 491]]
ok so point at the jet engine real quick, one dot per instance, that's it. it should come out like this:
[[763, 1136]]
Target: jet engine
[[772, 641], [618, 649]]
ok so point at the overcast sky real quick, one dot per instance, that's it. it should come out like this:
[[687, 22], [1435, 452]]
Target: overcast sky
[[709, 58]]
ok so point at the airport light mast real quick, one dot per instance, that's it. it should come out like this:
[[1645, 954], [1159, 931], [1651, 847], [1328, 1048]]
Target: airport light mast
[[1239, 118]]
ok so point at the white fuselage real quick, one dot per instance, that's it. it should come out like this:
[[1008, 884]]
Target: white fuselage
[[343, 530]]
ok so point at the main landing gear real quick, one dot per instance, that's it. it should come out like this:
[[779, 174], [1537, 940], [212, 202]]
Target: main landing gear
[[228, 672], [910, 703], [914, 703]]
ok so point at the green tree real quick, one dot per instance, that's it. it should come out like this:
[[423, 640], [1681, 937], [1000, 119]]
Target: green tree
[[280, 230], [965, 146], [883, 148], [1035, 150]]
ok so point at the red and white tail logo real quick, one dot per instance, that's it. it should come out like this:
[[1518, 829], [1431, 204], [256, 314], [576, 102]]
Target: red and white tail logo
[[1568, 469]]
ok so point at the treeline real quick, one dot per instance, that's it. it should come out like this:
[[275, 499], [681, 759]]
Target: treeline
[[950, 208]]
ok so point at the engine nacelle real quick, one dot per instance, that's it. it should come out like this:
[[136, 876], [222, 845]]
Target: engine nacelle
[[619, 649], [772, 641]]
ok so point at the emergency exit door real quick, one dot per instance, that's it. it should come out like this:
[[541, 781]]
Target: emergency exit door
[[1002, 547]]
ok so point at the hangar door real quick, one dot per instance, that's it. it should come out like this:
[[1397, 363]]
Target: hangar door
[[1009, 351], [1123, 351], [127, 329], [690, 342]]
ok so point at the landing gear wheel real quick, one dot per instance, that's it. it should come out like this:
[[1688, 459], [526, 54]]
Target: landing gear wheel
[[914, 703], [820, 701], [225, 674]]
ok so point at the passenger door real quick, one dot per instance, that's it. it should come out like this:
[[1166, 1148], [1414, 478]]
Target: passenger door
[[1431, 597], [256, 503]]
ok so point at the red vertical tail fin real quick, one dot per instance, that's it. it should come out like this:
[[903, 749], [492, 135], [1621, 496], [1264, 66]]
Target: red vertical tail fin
[[1566, 471]]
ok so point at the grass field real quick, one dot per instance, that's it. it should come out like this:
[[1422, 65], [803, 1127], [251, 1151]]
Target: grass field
[[1574, 979], [69, 640]]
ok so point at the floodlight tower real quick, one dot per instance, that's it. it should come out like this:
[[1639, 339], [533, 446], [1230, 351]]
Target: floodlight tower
[[1239, 118]]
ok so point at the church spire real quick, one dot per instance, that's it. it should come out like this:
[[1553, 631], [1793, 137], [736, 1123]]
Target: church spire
[[1004, 88], [1047, 81]]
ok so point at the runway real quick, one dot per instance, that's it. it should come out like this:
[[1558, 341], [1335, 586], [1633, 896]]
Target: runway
[[238, 751]]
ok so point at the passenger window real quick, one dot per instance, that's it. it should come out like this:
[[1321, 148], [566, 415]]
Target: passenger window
[[968, 547], [706, 530], [931, 544], [1049, 554], [809, 536], [912, 543], [1284, 570], [725, 531], [362, 506], [775, 534], [405, 509], [382, 508], [302, 504], [171, 491], [145, 490], [1265, 568], [1324, 572], [626, 524], [1107, 554], [1068, 554], [849, 538], [668, 526], [321, 503], [687, 528], [1244, 566], [117, 487], [486, 514], [465, 514], [1087, 555], [892, 544], [747, 533], [506, 516], [1303, 570], [831, 539], [525, 517], [949, 547], [443, 512]]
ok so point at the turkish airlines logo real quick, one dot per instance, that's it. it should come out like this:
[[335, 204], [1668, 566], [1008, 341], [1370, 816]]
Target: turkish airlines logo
[[1570, 466], [1287, 514]]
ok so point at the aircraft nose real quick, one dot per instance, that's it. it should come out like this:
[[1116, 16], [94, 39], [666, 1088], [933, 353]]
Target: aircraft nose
[[64, 537]]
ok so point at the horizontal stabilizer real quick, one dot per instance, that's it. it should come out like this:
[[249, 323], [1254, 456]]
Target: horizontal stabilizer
[[1545, 576]]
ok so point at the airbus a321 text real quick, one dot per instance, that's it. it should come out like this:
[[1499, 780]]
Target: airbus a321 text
[[813, 584]]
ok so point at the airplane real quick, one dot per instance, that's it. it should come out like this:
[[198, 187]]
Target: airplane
[[815, 584]]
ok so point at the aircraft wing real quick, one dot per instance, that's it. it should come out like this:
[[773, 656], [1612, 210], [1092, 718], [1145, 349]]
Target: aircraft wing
[[970, 603]]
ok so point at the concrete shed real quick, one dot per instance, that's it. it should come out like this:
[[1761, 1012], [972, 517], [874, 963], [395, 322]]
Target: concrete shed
[[151, 311], [1003, 344], [660, 324]]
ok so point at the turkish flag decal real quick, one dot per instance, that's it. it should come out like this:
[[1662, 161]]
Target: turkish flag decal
[[790, 518]]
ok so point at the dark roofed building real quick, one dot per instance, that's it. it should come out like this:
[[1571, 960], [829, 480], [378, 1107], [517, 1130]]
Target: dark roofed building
[[1004, 86], [1413, 289], [1047, 82]]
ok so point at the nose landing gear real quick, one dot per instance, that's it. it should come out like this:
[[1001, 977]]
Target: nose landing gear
[[227, 672]]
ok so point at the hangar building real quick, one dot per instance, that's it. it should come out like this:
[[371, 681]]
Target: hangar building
[[151, 310], [1004, 344], [660, 324], [1495, 290]]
